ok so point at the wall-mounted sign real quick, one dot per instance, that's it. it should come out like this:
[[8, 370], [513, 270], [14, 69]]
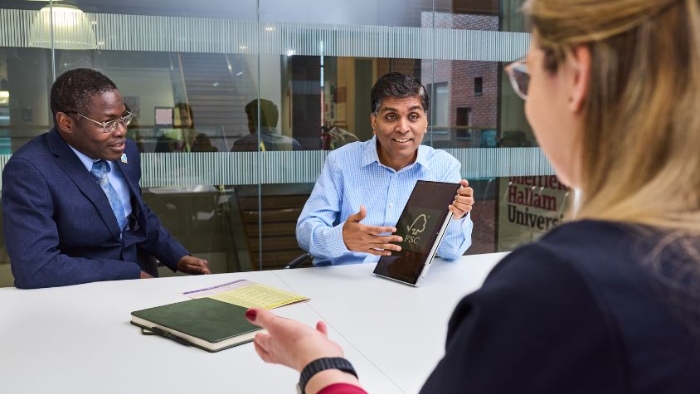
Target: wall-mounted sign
[[528, 207]]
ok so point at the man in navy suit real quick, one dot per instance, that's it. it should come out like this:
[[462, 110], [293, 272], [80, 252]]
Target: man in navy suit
[[62, 225]]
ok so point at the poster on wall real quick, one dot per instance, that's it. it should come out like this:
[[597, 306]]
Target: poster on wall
[[528, 207]]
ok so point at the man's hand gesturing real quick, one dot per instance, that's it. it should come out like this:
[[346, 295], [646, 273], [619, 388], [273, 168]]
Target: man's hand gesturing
[[369, 239]]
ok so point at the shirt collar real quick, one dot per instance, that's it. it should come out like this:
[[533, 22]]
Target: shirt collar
[[87, 162], [371, 155]]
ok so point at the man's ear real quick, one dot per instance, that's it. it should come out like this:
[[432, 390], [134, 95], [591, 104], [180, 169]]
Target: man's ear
[[64, 123], [373, 122], [580, 63]]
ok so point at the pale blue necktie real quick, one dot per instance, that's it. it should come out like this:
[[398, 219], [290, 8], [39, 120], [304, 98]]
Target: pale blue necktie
[[100, 169]]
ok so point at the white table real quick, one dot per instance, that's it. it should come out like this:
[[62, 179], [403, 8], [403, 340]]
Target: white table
[[78, 339]]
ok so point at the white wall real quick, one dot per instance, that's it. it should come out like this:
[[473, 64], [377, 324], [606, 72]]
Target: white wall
[[153, 87]]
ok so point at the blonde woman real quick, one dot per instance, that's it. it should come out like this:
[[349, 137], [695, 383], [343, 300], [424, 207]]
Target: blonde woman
[[608, 302]]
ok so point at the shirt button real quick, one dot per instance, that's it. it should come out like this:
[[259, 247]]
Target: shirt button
[[391, 205]]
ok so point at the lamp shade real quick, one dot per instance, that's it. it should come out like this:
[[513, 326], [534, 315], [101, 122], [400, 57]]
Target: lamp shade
[[71, 28]]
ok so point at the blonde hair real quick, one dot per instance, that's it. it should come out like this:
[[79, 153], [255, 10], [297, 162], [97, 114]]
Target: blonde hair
[[640, 158]]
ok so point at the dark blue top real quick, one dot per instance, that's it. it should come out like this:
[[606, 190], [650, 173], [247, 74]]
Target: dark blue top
[[593, 307]]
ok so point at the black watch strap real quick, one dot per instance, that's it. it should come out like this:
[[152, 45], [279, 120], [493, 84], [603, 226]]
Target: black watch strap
[[323, 364]]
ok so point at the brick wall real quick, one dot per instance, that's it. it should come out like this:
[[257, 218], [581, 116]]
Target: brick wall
[[460, 76]]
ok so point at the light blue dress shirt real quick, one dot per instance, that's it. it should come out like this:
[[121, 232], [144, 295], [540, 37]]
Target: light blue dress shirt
[[352, 175]]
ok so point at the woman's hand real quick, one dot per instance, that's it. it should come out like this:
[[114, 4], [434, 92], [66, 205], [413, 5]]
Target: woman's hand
[[289, 342], [295, 345]]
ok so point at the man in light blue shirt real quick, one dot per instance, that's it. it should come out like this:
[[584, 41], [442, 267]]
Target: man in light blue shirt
[[363, 187]]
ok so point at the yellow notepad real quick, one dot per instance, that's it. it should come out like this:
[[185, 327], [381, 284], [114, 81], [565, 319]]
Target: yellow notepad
[[248, 294]]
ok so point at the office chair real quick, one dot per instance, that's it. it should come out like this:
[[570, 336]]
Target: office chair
[[299, 260], [147, 262], [268, 222]]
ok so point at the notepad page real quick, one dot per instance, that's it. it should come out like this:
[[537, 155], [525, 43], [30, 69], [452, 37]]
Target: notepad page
[[248, 294]]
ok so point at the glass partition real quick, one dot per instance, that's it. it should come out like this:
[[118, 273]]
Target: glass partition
[[208, 83]]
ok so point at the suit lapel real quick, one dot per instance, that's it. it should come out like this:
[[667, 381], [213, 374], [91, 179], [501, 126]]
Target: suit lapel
[[74, 168], [131, 174], [134, 188]]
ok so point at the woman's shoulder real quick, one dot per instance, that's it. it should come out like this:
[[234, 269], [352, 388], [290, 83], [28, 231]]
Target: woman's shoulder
[[627, 275], [578, 241], [585, 291], [591, 250], [601, 266]]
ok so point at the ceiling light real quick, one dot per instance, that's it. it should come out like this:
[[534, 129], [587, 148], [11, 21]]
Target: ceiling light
[[71, 28]]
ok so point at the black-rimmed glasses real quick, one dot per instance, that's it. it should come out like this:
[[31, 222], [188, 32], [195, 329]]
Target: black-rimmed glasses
[[519, 77], [110, 125]]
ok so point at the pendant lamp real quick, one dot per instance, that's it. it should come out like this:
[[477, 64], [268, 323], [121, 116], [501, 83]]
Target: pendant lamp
[[71, 28]]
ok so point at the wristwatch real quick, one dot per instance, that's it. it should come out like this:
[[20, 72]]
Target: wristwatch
[[323, 364]]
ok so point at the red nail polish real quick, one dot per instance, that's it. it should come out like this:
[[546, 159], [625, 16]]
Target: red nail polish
[[251, 314]]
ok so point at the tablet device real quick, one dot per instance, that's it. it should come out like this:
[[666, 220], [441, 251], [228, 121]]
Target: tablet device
[[422, 224]]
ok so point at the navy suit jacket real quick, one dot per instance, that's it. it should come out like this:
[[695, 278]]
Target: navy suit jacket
[[59, 227]]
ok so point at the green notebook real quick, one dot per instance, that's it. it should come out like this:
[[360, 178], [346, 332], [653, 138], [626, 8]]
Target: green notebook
[[203, 322]]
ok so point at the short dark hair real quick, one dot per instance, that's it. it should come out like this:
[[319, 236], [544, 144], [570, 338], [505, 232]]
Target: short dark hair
[[398, 85], [74, 90], [269, 115], [182, 107]]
